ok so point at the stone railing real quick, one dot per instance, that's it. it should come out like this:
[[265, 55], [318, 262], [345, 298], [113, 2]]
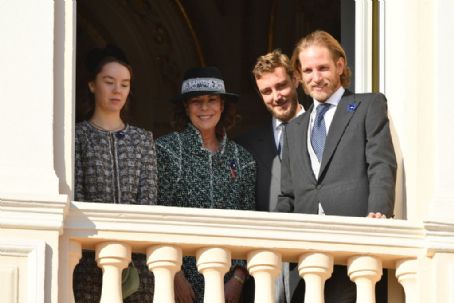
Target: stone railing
[[265, 240]]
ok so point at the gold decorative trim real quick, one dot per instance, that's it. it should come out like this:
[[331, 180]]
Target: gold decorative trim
[[91, 30], [272, 25], [186, 18]]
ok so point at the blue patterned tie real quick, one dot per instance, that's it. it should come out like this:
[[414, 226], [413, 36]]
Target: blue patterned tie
[[318, 135]]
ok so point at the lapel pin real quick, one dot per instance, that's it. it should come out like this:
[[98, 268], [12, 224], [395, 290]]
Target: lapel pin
[[352, 107], [233, 170]]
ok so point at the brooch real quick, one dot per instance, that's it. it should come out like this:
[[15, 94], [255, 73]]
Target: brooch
[[352, 107], [233, 169], [120, 135]]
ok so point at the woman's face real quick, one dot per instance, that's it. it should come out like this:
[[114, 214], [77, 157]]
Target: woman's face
[[205, 111], [111, 87]]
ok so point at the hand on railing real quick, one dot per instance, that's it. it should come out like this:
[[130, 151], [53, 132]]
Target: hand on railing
[[234, 287], [183, 289], [376, 215]]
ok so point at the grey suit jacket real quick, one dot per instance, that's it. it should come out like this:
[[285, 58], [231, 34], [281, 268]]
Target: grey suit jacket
[[358, 168], [261, 144]]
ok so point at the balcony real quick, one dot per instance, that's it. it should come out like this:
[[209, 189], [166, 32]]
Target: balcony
[[366, 246], [41, 242]]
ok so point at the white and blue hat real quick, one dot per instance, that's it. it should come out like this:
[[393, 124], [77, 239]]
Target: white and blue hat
[[200, 81]]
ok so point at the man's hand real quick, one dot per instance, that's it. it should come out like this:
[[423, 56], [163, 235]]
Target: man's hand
[[376, 215], [232, 291], [183, 289], [234, 287]]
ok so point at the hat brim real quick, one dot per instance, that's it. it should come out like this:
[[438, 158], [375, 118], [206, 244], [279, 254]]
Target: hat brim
[[186, 96]]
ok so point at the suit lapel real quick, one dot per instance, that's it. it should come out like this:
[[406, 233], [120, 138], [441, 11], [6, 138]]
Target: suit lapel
[[267, 145], [344, 112], [302, 144]]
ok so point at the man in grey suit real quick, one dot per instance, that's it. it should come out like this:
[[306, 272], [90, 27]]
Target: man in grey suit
[[276, 84], [338, 157]]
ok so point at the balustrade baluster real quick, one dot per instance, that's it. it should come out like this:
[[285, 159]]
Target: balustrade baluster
[[406, 273], [365, 271], [315, 269], [164, 262], [112, 257], [264, 266], [213, 263]]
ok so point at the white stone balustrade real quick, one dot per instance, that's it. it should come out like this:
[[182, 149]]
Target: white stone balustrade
[[406, 273], [264, 239], [264, 266], [315, 269], [365, 271], [164, 261], [213, 263], [112, 257]]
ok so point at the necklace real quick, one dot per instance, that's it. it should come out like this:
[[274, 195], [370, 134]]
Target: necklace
[[104, 129]]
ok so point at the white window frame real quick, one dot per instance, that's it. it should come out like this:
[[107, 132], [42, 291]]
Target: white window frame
[[65, 28], [363, 46]]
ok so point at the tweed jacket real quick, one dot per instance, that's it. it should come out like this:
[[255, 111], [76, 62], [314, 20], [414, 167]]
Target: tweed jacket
[[115, 167], [192, 176]]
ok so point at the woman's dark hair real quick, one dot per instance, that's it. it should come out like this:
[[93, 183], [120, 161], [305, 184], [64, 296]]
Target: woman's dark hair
[[228, 117], [95, 60]]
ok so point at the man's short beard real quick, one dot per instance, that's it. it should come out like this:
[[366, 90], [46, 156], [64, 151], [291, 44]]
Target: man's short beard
[[287, 116]]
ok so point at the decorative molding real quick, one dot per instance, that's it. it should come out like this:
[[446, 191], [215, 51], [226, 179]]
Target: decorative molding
[[34, 251], [194, 36], [9, 277], [91, 30], [159, 42], [272, 25], [142, 8], [439, 237], [34, 212]]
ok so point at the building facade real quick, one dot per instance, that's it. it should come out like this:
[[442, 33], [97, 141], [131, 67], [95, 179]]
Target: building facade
[[42, 231]]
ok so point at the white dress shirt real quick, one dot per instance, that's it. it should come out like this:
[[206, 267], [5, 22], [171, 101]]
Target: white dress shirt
[[277, 125], [334, 101]]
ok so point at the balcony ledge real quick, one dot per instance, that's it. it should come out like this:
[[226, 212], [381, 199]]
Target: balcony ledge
[[43, 212], [290, 234]]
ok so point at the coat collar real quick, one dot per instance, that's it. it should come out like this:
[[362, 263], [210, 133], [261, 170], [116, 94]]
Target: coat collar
[[195, 137]]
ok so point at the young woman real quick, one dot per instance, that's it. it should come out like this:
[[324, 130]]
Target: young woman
[[199, 166], [114, 162]]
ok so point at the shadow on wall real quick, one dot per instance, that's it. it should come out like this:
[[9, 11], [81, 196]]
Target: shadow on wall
[[400, 207]]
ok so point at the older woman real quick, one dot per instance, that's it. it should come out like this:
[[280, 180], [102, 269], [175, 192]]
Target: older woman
[[114, 162], [198, 166]]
